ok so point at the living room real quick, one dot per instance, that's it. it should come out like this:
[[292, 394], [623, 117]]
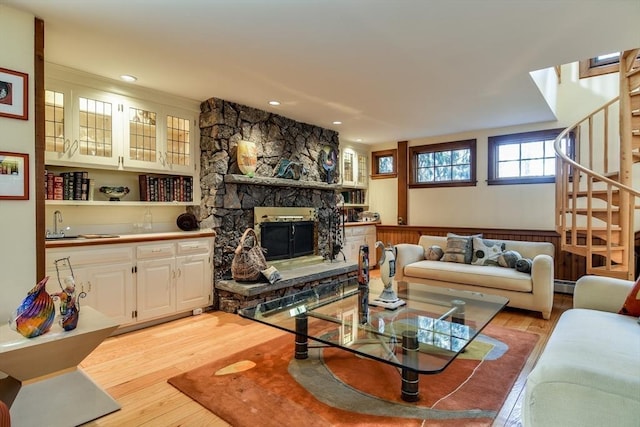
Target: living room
[[529, 207]]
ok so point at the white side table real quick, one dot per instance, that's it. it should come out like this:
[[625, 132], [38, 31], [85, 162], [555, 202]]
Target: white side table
[[44, 386]]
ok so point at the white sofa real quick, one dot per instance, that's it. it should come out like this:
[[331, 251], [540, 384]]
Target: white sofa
[[589, 372], [532, 291]]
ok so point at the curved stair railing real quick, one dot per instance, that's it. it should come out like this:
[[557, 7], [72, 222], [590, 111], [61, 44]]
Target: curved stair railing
[[596, 207]]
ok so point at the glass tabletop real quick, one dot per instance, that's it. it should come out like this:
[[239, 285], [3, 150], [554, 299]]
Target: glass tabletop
[[438, 322]]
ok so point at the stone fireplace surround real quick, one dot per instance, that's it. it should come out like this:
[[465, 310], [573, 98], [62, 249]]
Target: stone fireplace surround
[[229, 198]]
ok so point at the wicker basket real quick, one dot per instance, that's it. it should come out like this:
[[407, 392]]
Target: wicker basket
[[248, 261]]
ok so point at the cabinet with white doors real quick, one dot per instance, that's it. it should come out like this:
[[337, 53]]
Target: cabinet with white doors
[[357, 235], [87, 127], [103, 274], [139, 282]]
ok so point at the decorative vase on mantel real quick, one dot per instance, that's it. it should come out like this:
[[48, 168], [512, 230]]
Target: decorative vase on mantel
[[247, 157]]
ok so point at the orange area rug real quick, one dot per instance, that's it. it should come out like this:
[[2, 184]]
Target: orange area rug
[[266, 386]]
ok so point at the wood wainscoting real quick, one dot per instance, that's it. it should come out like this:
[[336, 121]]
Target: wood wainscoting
[[567, 266]]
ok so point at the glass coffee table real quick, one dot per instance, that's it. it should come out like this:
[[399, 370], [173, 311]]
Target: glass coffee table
[[422, 337]]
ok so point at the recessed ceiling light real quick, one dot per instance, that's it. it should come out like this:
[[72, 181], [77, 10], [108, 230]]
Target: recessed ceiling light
[[275, 103], [359, 140], [128, 78], [337, 122]]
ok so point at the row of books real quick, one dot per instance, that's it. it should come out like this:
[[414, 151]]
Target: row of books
[[166, 188], [67, 186]]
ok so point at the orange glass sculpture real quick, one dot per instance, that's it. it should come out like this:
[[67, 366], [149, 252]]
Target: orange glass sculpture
[[35, 314]]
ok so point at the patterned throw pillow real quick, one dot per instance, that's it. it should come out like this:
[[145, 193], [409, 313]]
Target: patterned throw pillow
[[509, 258], [486, 252], [459, 248], [524, 265], [434, 253], [631, 306]]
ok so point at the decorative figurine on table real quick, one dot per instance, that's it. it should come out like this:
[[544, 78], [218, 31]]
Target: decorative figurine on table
[[69, 302], [388, 298], [363, 284], [35, 314]]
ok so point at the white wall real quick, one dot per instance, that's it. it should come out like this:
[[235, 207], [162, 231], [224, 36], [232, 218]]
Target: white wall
[[496, 206], [17, 217]]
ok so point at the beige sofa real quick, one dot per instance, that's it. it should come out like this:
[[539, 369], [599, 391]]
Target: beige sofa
[[532, 291], [589, 372]]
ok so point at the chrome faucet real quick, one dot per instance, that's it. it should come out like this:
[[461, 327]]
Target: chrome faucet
[[58, 232], [57, 218]]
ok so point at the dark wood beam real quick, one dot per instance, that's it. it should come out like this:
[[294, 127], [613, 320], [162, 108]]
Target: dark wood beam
[[38, 78], [403, 182]]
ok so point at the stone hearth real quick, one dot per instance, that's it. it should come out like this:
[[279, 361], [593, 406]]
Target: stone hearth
[[232, 295]]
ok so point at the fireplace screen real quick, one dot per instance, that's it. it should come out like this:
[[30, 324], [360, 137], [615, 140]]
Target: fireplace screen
[[284, 240]]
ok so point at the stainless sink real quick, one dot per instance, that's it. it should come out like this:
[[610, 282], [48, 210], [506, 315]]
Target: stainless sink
[[61, 237]]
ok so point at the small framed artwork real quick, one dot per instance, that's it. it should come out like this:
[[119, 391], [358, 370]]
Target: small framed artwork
[[14, 94], [14, 176]]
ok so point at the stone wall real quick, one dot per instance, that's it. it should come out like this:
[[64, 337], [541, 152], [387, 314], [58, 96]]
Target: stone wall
[[228, 208]]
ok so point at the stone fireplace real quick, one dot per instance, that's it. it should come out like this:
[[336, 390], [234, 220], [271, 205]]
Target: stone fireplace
[[229, 198]]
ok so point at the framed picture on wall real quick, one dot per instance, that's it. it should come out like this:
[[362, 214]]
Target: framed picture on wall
[[14, 176], [14, 94]]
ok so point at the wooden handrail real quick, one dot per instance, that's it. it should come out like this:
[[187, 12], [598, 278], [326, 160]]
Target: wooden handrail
[[575, 179]]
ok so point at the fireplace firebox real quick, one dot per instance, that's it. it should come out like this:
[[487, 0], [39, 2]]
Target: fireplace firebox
[[284, 240]]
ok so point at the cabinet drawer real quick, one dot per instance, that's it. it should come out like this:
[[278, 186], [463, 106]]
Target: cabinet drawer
[[99, 255], [361, 230], [162, 250], [200, 246]]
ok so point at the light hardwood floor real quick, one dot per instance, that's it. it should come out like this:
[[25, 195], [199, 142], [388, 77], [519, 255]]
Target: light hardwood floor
[[134, 367]]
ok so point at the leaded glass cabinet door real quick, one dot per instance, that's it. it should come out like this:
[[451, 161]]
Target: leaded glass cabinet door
[[362, 170], [97, 131], [178, 154], [349, 167], [142, 139], [57, 116]]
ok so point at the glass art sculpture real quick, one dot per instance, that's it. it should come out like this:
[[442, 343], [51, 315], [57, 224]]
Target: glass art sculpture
[[35, 314]]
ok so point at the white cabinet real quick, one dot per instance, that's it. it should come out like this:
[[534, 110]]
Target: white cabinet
[[139, 282], [89, 127], [358, 235], [105, 274], [156, 276], [194, 274]]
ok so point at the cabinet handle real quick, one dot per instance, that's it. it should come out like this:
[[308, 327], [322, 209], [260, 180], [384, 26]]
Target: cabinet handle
[[179, 272], [173, 273], [156, 250], [88, 286]]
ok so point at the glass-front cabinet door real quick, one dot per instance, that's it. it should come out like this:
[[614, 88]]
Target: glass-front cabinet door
[[80, 127], [362, 171], [141, 137], [348, 167], [179, 136]]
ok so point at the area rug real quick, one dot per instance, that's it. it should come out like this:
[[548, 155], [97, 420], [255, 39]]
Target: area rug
[[266, 386]]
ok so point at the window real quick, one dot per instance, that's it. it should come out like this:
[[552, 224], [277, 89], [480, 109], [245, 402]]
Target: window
[[383, 164], [450, 164], [603, 64], [525, 158]]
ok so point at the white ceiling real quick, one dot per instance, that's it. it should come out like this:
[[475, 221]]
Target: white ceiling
[[389, 70]]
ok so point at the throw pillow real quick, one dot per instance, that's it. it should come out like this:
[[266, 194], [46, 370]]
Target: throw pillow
[[434, 253], [631, 306], [524, 265], [509, 258], [459, 248], [486, 252]]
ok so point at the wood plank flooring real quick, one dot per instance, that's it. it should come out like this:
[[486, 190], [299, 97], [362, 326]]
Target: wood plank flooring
[[134, 367]]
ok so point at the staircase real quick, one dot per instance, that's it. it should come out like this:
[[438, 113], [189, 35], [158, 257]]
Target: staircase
[[596, 205]]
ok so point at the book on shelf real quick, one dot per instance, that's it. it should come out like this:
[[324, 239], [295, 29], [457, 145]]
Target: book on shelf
[[165, 188]]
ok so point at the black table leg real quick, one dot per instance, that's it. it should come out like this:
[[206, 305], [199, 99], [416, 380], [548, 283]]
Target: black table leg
[[301, 349], [410, 377]]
